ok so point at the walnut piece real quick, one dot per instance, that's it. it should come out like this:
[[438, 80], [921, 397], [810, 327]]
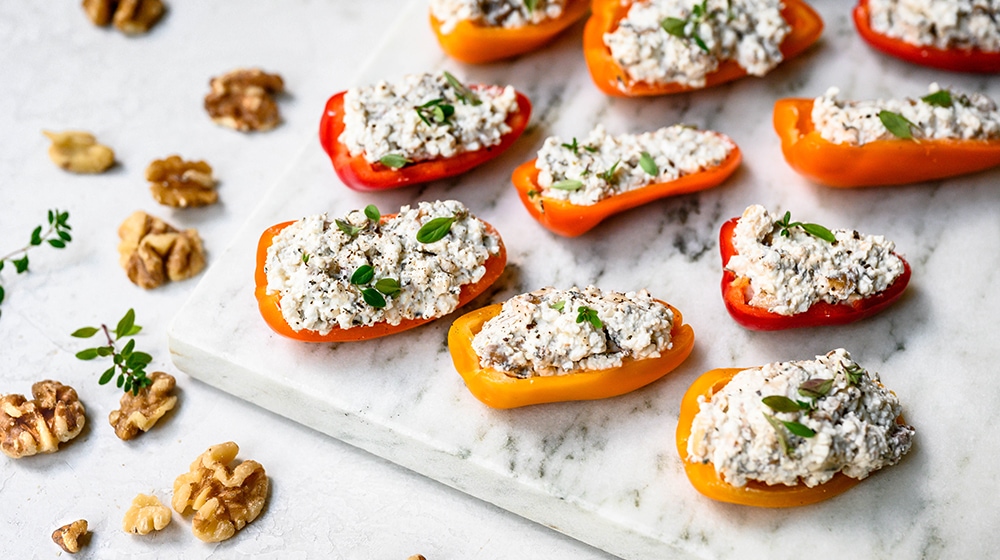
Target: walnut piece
[[78, 151], [140, 412], [244, 100], [70, 537], [146, 514], [40, 425], [224, 499], [132, 17], [180, 184], [152, 251]]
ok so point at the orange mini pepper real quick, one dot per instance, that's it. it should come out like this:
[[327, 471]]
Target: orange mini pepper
[[882, 162], [704, 478], [612, 79], [476, 44], [499, 390], [565, 218], [269, 303]]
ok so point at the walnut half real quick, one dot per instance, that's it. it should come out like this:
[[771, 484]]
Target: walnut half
[[69, 537], [244, 100], [223, 499], [152, 251], [145, 515], [78, 152], [141, 411], [180, 184], [132, 17], [40, 425]]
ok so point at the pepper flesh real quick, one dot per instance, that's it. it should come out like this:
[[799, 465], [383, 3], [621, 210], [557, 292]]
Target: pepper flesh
[[736, 295], [956, 60], [499, 390], [704, 478], [270, 303], [612, 79], [882, 162], [477, 44], [358, 174], [565, 218]]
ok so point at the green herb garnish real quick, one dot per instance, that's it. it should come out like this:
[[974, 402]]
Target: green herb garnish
[[305, 258], [530, 4], [567, 185], [780, 403], [854, 373], [573, 147], [388, 286], [940, 98], [558, 306], [676, 26], [814, 230], [648, 165], [56, 235], [609, 174], [372, 213], [435, 229], [395, 161], [130, 365], [589, 315], [897, 124], [794, 427], [363, 275], [435, 111], [815, 388], [465, 95], [373, 298]]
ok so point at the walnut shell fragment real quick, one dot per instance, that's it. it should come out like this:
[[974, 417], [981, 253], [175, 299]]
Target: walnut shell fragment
[[132, 17], [145, 515], [244, 100], [181, 184], [223, 499], [152, 251], [141, 411], [78, 152], [54, 416], [70, 537]]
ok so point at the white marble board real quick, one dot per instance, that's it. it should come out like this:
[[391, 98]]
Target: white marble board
[[607, 472]]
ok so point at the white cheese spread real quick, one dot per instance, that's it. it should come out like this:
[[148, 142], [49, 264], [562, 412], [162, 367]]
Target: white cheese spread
[[788, 274], [494, 13], [399, 119], [553, 332], [943, 24], [854, 424], [749, 32], [606, 165], [312, 261], [970, 116]]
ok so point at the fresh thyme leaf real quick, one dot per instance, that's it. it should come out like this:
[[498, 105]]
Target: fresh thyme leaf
[[698, 41], [106, 376], [648, 165], [85, 332], [36, 236], [609, 174], [465, 95], [435, 111], [815, 387], [798, 429], [435, 229], [854, 373], [590, 149], [88, 354], [395, 161], [305, 258], [125, 324], [350, 230], [573, 147], [814, 230], [2, 294], [589, 315], [363, 275], [372, 213], [558, 306], [778, 431], [532, 193], [674, 26], [780, 403], [21, 264], [373, 298], [940, 98], [897, 124], [567, 185], [388, 286], [530, 4]]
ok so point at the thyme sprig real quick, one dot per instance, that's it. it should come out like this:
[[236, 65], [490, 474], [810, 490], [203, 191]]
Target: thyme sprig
[[435, 111], [677, 26], [465, 95], [371, 212], [814, 230], [127, 362], [374, 296], [589, 315], [56, 235]]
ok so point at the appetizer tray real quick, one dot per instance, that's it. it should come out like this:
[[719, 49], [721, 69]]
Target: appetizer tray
[[607, 472]]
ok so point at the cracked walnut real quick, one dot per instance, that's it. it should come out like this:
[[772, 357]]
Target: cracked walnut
[[181, 184], [244, 100], [152, 251], [141, 411], [54, 416]]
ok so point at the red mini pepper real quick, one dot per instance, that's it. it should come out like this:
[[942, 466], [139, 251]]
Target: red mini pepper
[[565, 218], [736, 293], [358, 174], [475, 44], [955, 60], [269, 303], [499, 390], [612, 79], [882, 162]]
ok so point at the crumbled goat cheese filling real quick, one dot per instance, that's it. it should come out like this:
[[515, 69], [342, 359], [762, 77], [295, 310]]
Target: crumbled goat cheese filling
[[494, 13], [855, 425], [311, 262], [943, 24], [386, 119], [971, 116], [749, 32], [542, 333], [788, 274], [607, 165]]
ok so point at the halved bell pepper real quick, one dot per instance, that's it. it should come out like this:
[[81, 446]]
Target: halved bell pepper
[[736, 292], [704, 478], [358, 174], [882, 162], [269, 303], [612, 79], [476, 44], [565, 218], [499, 390], [955, 60]]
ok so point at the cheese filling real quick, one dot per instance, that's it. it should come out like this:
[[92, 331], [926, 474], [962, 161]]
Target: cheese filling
[[424, 117], [494, 13], [311, 263], [854, 424], [943, 24], [555, 332], [606, 165], [788, 274], [970, 116], [703, 34]]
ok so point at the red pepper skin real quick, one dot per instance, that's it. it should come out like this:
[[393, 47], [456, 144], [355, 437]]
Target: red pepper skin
[[954, 60], [568, 219], [882, 162], [360, 175], [612, 79], [734, 294], [270, 303]]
